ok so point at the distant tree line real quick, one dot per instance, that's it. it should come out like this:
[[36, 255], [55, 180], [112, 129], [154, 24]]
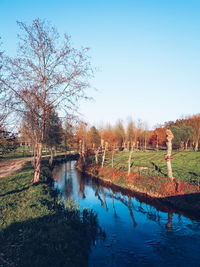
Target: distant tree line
[[136, 136], [8, 142]]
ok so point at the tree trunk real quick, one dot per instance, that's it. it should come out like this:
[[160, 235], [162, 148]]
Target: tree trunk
[[83, 151], [129, 161], [96, 155], [157, 146], [181, 145], [124, 145], [169, 169], [186, 145], [196, 145], [38, 164], [133, 145], [104, 154], [169, 153], [145, 144], [34, 155], [36, 176], [128, 145], [80, 147]]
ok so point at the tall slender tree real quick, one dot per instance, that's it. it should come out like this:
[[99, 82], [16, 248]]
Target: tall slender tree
[[195, 123], [94, 137], [120, 134], [47, 72], [130, 135]]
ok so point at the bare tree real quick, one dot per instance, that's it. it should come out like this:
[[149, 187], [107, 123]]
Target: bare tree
[[145, 135], [69, 133], [195, 123], [3, 113], [48, 72], [130, 135], [120, 134]]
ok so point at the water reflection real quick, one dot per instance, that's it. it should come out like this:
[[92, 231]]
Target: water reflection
[[169, 222], [138, 229], [72, 185]]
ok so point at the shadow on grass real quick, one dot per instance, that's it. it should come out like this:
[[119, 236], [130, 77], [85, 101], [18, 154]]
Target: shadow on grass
[[158, 169], [61, 239], [22, 189], [15, 191]]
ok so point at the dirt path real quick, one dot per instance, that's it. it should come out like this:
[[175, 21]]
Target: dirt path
[[9, 167]]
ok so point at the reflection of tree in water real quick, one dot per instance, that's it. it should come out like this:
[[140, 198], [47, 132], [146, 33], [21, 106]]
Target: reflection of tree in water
[[151, 212], [169, 222], [82, 189], [68, 187], [104, 197], [130, 207], [153, 215], [100, 190], [115, 213], [68, 180], [128, 204], [98, 196], [82, 181], [65, 172]]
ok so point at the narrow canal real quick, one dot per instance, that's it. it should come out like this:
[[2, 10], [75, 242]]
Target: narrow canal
[[139, 232]]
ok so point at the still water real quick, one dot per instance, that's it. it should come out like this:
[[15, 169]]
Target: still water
[[139, 232]]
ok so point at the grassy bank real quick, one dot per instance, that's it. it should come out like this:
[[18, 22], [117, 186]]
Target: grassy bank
[[35, 229], [185, 165], [183, 193]]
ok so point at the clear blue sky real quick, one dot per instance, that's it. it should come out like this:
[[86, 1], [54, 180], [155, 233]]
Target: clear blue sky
[[147, 52]]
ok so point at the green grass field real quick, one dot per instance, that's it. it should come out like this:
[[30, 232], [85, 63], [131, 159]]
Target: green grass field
[[35, 229], [24, 152], [185, 165], [20, 152]]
